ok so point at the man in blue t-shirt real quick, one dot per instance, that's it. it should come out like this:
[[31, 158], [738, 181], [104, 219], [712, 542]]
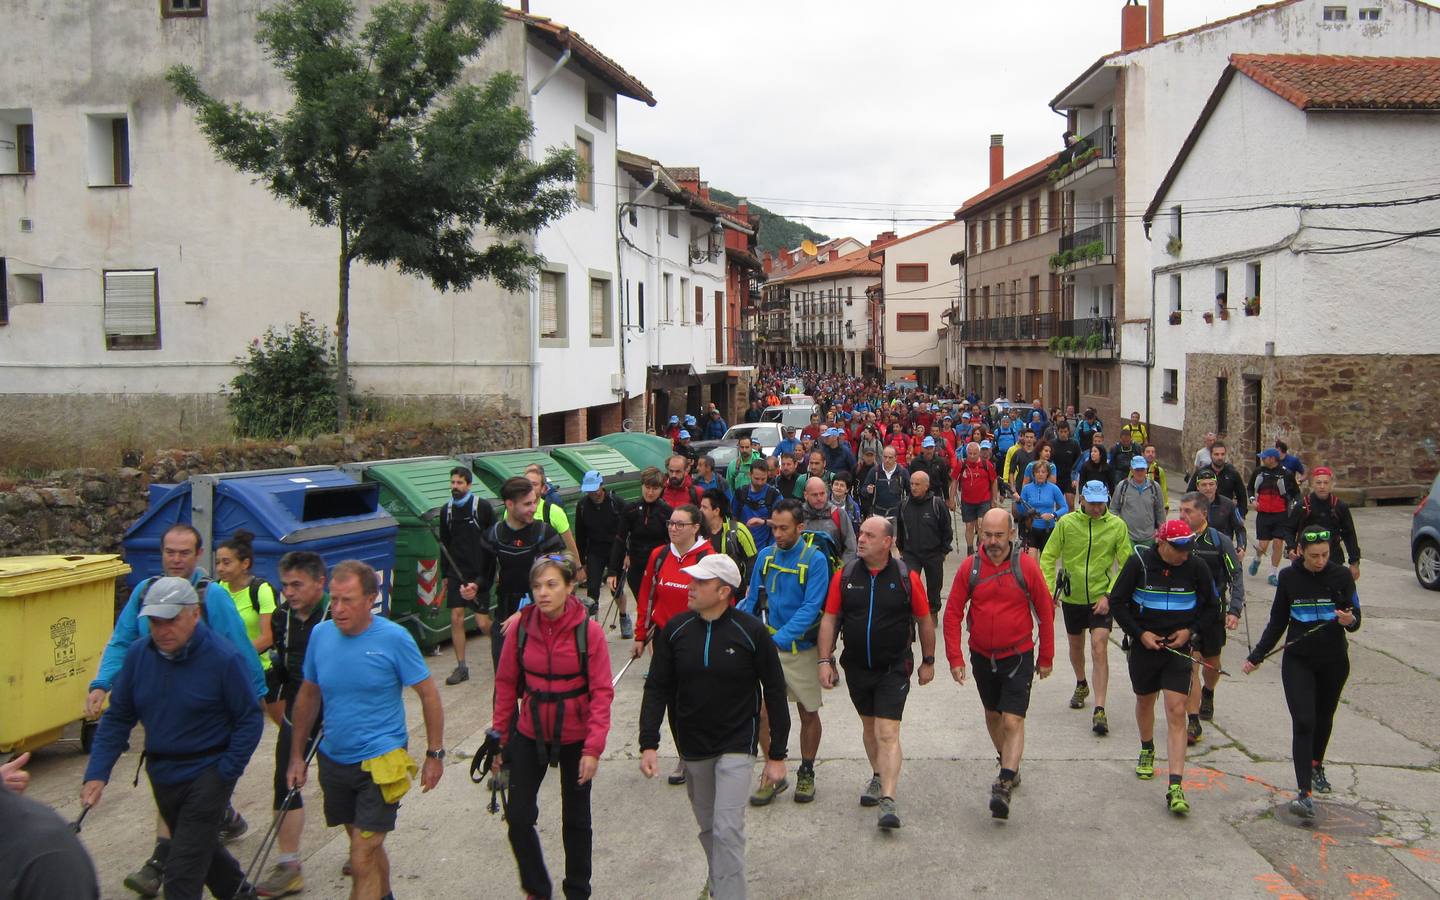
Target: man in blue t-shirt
[[358, 665]]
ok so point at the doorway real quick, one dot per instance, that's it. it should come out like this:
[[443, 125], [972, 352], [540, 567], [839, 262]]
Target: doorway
[[1250, 407]]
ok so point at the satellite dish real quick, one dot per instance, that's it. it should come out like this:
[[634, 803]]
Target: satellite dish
[[808, 248]]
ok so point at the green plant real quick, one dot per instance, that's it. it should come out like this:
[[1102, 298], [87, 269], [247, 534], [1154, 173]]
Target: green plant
[[1252, 306], [1092, 250], [1094, 341], [1173, 246], [286, 385], [1067, 344], [1055, 343]]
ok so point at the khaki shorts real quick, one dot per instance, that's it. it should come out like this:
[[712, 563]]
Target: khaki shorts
[[802, 677]]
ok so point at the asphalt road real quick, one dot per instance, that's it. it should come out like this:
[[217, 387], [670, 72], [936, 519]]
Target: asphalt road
[[1081, 823]]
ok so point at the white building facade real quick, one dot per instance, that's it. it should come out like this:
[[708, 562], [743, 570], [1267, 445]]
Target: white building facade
[[920, 283]]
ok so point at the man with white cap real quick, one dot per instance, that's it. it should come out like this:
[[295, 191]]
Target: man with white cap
[[711, 665], [197, 740], [597, 521], [1137, 501]]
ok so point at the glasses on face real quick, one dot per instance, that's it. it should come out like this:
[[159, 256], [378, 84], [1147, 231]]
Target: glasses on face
[[1313, 537], [673, 523]]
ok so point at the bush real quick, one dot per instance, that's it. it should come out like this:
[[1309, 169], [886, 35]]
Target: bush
[[286, 387]]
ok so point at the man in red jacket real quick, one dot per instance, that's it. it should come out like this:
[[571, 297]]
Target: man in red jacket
[[679, 489], [1007, 594]]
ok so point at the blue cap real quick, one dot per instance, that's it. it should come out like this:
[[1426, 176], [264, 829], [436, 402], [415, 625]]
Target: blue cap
[[1139, 462], [928, 442], [674, 420], [1270, 453], [1095, 492], [689, 420], [684, 434], [846, 416], [986, 445], [591, 482]]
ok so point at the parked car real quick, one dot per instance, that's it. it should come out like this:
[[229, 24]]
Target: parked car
[[1425, 539], [798, 416], [765, 435]]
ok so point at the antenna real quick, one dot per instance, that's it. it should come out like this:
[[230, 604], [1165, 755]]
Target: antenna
[[808, 247]]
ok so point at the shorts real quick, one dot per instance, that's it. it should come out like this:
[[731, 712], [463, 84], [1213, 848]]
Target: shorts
[[802, 677], [1004, 683], [971, 512], [1210, 639], [453, 600], [1152, 671], [880, 693], [1039, 537], [353, 798], [1081, 616], [1270, 526]]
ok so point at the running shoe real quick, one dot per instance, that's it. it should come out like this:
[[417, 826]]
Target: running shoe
[[1255, 566], [1273, 580], [461, 673], [1000, 799], [889, 813], [148, 879], [1099, 722], [1207, 705], [767, 791], [233, 827], [805, 786], [1303, 807], [1193, 732], [871, 797], [1077, 699], [1145, 765], [1318, 781], [627, 627], [678, 776], [1175, 799], [282, 881]]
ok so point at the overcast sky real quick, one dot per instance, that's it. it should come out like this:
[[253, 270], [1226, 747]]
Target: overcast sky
[[849, 108]]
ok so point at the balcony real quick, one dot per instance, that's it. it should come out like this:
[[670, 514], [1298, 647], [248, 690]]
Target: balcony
[[1087, 248], [1023, 329], [774, 303], [1093, 338], [1088, 161]]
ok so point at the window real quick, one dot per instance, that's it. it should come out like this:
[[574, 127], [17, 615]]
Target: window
[[174, 9], [1334, 14], [1222, 286], [912, 272], [1052, 220], [1096, 382], [600, 318], [1369, 14], [667, 283], [985, 302], [699, 305], [1252, 280], [1222, 405], [595, 106], [985, 235], [108, 155], [912, 321], [1170, 386], [1175, 293], [974, 238], [552, 306], [1015, 217], [672, 222], [1034, 294], [585, 175], [1000, 228], [1034, 215], [132, 310], [1177, 219], [684, 294], [640, 304], [17, 142]]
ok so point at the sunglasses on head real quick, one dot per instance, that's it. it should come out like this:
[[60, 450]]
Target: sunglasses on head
[[1314, 537]]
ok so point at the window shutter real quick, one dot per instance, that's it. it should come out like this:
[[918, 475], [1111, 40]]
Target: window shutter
[[130, 303], [597, 308], [549, 305]]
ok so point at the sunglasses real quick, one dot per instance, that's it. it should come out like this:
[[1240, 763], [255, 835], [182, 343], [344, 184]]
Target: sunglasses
[[1314, 537]]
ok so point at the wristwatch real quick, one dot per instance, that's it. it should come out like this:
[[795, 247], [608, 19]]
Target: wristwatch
[[435, 754], [927, 660]]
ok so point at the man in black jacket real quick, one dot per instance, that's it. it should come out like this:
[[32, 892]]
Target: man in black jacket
[[711, 666], [597, 522], [1065, 453], [510, 548], [1121, 454], [643, 527], [1228, 482], [463, 521], [925, 535]]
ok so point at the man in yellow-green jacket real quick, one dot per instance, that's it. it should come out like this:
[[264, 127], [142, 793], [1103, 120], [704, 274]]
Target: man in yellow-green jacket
[[1090, 544]]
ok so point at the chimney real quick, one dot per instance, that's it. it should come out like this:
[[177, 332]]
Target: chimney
[[704, 190], [1132, 26], [769, 263], [743, 210], [997, 158], [883, 237], [1157, 20]]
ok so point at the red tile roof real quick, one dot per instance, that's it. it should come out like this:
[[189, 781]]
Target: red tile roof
[[1346, 82], [559, 36], [1000, 187], [855, 263]]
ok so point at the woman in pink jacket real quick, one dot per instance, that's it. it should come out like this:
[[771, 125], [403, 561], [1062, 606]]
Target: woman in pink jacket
[[556, 657]]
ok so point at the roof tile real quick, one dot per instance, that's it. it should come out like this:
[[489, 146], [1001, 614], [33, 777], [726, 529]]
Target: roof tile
[[1346, 82], [1003, 185]]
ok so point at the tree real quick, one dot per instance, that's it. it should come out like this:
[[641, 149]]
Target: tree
[[386, 145]]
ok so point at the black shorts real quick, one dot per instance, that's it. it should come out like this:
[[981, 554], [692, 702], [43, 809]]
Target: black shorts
[[971, 512], [453, 600], [1152, 671], [1210, 639], [1039, 537], [1081, 616], [1004, 683], [880, 693], [1272, 526], [353, 798]]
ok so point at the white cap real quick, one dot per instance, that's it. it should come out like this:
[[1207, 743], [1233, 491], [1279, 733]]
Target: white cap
[[716, 565], [167, 596]]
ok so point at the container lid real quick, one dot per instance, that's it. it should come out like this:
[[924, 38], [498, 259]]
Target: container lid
[[419, 486], [498, 466], [21, 575], [581, 458]]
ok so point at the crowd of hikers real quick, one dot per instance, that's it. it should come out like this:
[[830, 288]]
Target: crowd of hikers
[[745, 581]]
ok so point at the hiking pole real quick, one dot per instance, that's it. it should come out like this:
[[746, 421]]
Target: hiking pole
[[75, 825], [621, 674], [1290, 644], [1202, 662], [1245, 614], [273, 833]]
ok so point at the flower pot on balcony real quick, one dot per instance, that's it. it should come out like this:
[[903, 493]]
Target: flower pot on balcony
[[1209, 318], [1224, 313], [1252, 306], [1175, 317]]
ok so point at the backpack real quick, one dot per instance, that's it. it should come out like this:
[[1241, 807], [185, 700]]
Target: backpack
[[1305, 506], [819, 540], [1015, 572], [899, 564], [255, 585], [550, 754], [474, 510]]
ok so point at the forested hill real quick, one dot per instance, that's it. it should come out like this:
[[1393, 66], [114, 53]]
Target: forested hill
[[776, 231]]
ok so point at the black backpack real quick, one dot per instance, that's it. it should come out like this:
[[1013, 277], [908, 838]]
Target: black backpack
[[1015, 572]]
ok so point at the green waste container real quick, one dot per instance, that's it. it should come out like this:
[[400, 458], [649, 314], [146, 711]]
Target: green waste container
[[620, 474], [413, 491], [492, 469], [642, 449]]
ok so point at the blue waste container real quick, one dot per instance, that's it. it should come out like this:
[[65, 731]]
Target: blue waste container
[[316, 508]]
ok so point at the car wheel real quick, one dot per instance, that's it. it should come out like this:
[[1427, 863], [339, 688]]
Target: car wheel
[[1427, 565]]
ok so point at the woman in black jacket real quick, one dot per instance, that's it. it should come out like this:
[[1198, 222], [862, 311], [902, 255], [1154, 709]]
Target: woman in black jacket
[[1095, 468], [1315, 599]]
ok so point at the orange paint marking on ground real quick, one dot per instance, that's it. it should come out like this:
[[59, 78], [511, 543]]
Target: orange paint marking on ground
[[1325, 841], [1276, 884], [1251, 779], [1371, 887], [1203, 780], [1427, 855]]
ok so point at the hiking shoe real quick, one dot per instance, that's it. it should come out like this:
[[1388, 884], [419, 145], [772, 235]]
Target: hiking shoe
[[805, 786], [1255, 566], [678, 776], [889, 813], [1192, 732], [1175, 799], [1318, 781], [282, 881], [233, 827], [627, 627], [871, 797], [1207, 706], [768, 791], [347, 870], [1077, 699], [461, 673], [148, 880], [1099, 722], [1302, 807], [592, 608], [1000, 799], [1145, 765], [1273, 580]]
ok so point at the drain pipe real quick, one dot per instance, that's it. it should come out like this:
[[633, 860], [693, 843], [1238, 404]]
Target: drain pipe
[[625, 324]]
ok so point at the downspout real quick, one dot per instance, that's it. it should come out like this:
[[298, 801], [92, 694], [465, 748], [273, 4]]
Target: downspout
[[625, 324], [535, 290]]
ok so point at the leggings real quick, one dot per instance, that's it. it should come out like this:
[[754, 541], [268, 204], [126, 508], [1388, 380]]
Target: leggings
[[1312, 691], [526, 773]]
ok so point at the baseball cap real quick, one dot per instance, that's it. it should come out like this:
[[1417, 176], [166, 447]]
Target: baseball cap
[[674, 420], [986, 445], [965, 415], [1095, 492], [1269, 453], [1138, 462], [684, 434], [1176, 531], [928, 442], [689, 420], [1322, 470], [716, 565], [167, 596]]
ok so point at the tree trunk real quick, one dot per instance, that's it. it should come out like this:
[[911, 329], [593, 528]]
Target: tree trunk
[[342, 334]]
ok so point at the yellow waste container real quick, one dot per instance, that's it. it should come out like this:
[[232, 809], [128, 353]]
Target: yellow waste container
[[56, 613]]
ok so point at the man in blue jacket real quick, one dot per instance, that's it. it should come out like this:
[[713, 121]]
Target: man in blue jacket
[[787, 590], [180, 558], [197, 740]]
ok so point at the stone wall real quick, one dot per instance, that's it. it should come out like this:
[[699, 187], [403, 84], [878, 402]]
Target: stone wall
[[1373, 419]]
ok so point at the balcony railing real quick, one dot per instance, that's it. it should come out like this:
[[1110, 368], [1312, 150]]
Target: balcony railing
[[1085, 336], [1028, 327], [1102, 233], [1101, 139]]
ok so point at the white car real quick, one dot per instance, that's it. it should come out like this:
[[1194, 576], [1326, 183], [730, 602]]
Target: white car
[[796, 416]]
